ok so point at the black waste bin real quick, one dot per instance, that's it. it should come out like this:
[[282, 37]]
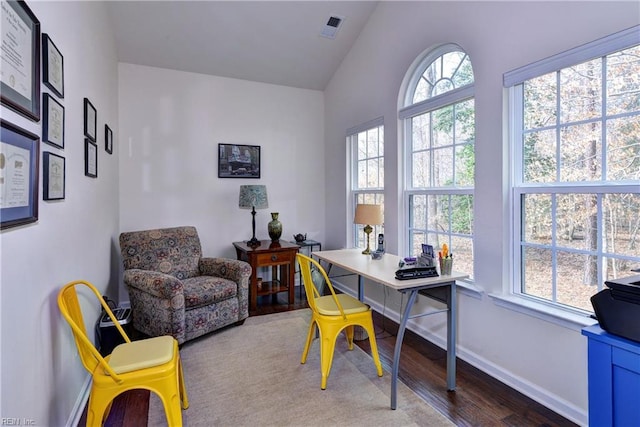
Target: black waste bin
[[108, 335]]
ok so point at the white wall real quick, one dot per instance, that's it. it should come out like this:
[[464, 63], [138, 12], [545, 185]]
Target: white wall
[[171, 123], [542, 359], [73, 239]]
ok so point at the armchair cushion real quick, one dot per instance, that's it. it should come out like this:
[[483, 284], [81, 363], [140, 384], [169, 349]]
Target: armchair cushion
[[175, 291]]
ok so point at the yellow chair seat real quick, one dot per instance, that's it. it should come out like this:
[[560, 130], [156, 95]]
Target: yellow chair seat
[[136, 355], [327, 306]]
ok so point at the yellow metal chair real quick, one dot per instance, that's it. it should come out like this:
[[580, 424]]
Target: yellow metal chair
[[153, 364], [333, 313]]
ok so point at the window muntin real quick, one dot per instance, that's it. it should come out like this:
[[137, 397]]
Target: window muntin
[[577, 180], [367, 181], [440, 157]]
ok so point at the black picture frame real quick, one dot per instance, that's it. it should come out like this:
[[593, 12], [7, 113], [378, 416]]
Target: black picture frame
[[54, 179], [20, 87], [52, 66], [108, 139], [90, 120], [53, 121], [90, 158], [238, 161], [19, 174]]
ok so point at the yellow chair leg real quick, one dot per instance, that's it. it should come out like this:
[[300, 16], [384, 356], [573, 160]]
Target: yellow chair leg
[[374, 349], [349, 331], [305, 352], [184, 398], [327, 347]]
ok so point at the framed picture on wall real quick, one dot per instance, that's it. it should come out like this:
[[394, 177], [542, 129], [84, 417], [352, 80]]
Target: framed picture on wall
[[53, 121], [90, 120], [108, 139], [20, 57], [52, 66], [19, 156], [238, 161], [54, 176], [90, 158]]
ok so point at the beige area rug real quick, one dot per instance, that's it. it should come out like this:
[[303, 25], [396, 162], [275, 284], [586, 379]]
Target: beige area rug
[[251, 375]]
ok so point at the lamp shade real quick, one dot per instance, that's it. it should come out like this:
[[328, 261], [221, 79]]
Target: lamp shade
[[368, 214], [253, 196]]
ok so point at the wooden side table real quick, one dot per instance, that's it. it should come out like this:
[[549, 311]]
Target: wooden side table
[[277, 255]]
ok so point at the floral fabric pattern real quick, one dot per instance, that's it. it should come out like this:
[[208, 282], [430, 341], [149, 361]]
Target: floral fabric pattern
[[174, 291]]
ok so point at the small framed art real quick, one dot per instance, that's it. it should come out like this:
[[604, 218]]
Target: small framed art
[[19, 156], [90, 120], [53, 121], [54, 176], [20, 57], [108, 139], [52, 66], [238, 161], [90, 158]]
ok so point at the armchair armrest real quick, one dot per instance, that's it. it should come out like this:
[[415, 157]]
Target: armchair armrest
[[158, 284], [227, 268]]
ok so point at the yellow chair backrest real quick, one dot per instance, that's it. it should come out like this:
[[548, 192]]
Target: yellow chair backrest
[[70, 308], [311, 288]]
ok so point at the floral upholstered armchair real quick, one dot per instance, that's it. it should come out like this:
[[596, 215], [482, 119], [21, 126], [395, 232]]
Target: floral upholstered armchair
[[175, 291]]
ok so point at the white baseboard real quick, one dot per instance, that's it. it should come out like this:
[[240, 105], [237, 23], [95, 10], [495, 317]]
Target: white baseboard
[[542, 396], [81, 402]]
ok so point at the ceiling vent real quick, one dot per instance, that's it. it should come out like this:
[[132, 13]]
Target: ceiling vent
[[331, 28]]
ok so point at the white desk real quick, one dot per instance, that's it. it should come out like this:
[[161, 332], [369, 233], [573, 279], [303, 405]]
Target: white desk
[[383, 271]]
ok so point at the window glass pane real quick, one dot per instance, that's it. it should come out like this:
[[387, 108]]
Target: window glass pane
[[449, 71], [442, 127], [372, 174], [573, 288], [438, 211], [623, 148], [362, 174], [462, 250], [465, 129], [540, 102], [581, 91], [537, 267], [362, 146], [539, 154], [420, 126], [462, 214], [420, 169], [623, 81], [443, 167], [418, 212], [577, 221], [536, 218], [465, 165], [581, 153], [622, 225]]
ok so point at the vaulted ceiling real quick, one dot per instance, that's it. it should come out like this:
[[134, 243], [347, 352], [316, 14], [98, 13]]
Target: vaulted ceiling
[[274, 42]]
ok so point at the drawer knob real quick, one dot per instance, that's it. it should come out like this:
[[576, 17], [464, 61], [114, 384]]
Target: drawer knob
[[274, 257]]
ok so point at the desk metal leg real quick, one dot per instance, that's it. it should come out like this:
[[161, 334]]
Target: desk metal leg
[[452, 327], [396, 351], [360, 288]]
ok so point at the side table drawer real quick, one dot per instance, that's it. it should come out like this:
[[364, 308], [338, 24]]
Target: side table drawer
[[274, 258]]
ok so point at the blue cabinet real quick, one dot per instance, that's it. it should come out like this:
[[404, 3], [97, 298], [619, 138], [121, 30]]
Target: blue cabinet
[[614, 379]]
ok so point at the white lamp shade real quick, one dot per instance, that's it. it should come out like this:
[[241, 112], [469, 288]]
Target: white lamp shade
[[368, 215]]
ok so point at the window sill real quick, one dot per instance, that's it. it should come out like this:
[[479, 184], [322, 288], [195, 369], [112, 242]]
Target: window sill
[[557, 316], [469, 289]]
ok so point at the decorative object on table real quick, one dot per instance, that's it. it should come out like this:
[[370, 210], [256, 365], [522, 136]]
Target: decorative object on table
[[108, 139], [54, 179], [253, 197], [368, 215], [53, 121], [299, 238], [90, 159], [20, 57], [52, 66], [445, 259], [19, 155], [377, 254], [274, 227], [90, 120], [238, 161]]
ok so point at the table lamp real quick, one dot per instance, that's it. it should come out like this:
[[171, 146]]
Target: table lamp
[[253, 197], [368, 215]]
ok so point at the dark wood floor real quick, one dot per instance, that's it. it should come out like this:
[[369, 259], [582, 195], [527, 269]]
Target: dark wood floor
[[479, 400]]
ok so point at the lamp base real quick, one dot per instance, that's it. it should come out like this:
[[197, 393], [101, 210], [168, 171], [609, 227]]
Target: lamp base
[[367, 230], [253, 243]]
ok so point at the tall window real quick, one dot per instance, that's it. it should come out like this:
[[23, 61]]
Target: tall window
[[439, 128], [576, 183], [366, 143]]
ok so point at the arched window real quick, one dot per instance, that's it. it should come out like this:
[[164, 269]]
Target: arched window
[[439, 135]]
